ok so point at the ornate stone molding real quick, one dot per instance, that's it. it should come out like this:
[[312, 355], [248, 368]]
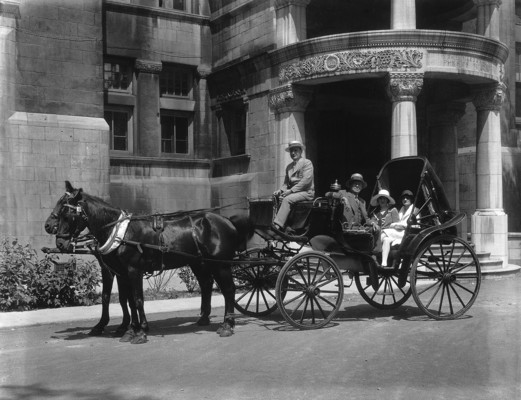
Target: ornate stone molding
[[148, 66], [203, 71], [349, 62], [490, 97], [285, 3], [289, 98], [404, 86], [232, 95]]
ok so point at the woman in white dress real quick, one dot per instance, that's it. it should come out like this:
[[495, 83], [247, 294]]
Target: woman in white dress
[[394, 234]]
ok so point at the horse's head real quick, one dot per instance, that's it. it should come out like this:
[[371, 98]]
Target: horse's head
[[68, 218]]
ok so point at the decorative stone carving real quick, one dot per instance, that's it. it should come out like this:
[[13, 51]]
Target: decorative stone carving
[[404, 86], [203, 71], [285, 3], [351, 61], [288, 98], [148, 66], [232, 95], [490, 97]]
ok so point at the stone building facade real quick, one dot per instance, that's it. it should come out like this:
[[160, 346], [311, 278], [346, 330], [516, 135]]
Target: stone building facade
[[162, 105]]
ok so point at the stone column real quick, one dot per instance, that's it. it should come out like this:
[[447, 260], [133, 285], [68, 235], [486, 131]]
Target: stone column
[[291, 21], [443, 146], [403, 14], [289, 104], [202, 120], [489, 222], [488, 18], [147, 108], [403, 90]]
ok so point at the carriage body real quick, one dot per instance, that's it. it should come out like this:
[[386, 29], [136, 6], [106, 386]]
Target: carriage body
[[438, 268]]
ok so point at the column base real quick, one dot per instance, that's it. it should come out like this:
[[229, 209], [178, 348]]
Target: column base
[[490, 233]]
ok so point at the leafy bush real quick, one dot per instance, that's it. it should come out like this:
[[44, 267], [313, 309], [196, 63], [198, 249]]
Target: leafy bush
[[27, 283], [187, 276]]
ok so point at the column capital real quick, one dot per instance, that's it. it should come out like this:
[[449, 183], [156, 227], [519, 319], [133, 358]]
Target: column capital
[[489, 97], [404, 86], [289, 98], [203, 71], [286, 3], [148, 66], [495, 3]]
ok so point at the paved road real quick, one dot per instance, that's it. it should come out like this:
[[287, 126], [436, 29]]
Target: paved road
[[365, 354]]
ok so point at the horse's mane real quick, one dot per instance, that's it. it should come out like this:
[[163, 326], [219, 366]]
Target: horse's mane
[[99, 209]]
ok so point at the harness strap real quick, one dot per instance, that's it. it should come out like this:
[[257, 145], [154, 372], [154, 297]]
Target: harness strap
[[194, 236]]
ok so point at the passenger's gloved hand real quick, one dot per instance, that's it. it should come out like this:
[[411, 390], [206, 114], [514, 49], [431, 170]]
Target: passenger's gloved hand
[[277, 192]]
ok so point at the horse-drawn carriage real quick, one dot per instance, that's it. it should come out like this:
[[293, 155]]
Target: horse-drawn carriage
[[303, 274]]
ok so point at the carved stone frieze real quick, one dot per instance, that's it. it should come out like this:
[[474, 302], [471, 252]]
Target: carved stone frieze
[[351, 61], [148, 66], [232, 95], [289, 98], [404, 86], [490, 97]]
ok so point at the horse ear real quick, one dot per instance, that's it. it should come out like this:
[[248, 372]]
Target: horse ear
[[68, 187]]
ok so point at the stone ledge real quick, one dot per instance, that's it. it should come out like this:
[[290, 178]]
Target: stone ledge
[[57, 120], [506, 272]]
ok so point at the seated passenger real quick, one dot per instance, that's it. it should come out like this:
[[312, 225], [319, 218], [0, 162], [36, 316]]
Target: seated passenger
[[298, 184], [394, 234], [383, 216]]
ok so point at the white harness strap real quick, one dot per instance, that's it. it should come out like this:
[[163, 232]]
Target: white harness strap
[[117, 234]]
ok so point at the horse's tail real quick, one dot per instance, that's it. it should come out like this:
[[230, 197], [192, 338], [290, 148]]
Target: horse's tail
[[245, 228]]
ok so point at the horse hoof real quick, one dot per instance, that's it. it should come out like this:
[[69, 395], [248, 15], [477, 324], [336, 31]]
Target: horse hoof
[[128, 336], [203, 321], [96, 331], [139, 339]]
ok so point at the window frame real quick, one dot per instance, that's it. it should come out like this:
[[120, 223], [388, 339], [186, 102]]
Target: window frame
[[123, 64], [128, 110], [169, 71], [190, 132]]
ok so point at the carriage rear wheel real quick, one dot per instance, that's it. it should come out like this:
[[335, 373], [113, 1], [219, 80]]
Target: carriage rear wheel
[[255, 283], [309, 290], [445, 277], [389, 294]]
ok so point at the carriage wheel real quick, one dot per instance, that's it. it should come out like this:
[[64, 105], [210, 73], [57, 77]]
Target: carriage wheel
[[255, 284], [309, 290], [389, 294], [445, 277]]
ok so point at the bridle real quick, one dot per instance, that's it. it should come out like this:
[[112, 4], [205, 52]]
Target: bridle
[[72, 213]]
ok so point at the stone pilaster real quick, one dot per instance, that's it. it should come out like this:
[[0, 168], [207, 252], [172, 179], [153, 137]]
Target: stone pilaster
[[291, 21], [488, 18], [403, 90], [403, 14], [147, 108], [289, 103], [489, 222], [202, 122]]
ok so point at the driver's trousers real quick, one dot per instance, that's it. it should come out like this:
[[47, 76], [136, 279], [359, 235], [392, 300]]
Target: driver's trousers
[[287, 202]]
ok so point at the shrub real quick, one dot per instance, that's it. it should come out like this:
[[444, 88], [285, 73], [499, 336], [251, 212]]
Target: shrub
[[187, 276], [26, 282]]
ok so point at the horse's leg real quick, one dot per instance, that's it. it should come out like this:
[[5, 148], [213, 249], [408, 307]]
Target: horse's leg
[[223, 276], [205, 280], [124, 296], [130, 334], [107, 281], [136, 282]]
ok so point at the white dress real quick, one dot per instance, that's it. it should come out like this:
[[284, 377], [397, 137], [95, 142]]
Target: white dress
[[397, 235]]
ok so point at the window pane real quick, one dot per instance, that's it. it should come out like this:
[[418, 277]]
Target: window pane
[[175, 81], [117, 76], [167, 133], [118, 124], [181, 138]]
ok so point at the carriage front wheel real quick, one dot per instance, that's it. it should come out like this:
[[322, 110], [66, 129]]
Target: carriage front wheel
[[445, 277], [309, 290]]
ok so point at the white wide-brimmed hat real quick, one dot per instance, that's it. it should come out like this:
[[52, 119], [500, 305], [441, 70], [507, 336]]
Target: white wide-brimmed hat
[[294, 143], [382, 193]]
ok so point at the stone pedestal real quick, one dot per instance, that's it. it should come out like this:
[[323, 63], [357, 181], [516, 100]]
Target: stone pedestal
[[147, 107], [490, 233], [403, 14], [403, 90], [289, 104]]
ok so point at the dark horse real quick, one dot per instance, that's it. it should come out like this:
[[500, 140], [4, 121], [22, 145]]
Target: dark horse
[[204, 240]]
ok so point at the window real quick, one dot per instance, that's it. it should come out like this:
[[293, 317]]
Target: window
[[176, 81], [119, 122], [175, 4], [117, 75], [234, 123], [175, 134]]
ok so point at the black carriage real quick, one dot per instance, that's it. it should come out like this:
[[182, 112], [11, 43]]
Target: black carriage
[[303, 274]]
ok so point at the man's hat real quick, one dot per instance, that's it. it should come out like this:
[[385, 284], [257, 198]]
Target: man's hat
[[382, 193], [356, 177], [294, 143], [407, 193]]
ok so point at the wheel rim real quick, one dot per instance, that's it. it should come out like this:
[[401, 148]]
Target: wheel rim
[[313, 290], [255, 285], [445, 277], [389, 294]]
